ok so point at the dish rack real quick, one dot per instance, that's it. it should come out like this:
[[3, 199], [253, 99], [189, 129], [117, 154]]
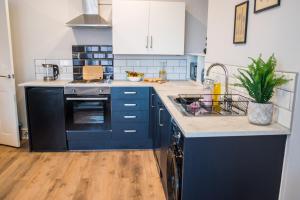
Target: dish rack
[[221, 104]]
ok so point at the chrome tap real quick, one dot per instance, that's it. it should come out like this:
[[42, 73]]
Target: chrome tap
[[226, 74], [227, 97]]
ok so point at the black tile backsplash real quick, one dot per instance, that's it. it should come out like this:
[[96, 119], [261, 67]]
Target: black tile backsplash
[[92, 55]]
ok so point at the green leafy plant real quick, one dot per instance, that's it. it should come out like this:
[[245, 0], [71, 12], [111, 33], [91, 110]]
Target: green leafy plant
[[260, 79]]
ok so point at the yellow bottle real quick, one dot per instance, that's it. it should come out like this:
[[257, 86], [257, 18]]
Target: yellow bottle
[[216, 96], [216, 91]]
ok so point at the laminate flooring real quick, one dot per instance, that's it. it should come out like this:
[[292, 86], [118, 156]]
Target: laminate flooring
[[102, 175]]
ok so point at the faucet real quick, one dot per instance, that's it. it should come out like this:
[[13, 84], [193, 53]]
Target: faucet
[[226, 74], [227, 97]]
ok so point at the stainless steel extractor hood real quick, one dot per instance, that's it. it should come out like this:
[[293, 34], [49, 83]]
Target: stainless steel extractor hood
[[90, 18]]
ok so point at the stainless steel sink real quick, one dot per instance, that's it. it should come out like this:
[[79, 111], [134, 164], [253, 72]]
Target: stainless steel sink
[[195, 105]]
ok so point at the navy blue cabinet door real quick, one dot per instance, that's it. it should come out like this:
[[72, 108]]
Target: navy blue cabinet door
[[46, 119]]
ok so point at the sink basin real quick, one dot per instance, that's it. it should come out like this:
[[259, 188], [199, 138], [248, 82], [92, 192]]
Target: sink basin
[[196, 105]]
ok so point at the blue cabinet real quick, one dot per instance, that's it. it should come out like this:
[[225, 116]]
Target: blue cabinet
[[160, 127], [130, 117], [130, 93], [46, 124]]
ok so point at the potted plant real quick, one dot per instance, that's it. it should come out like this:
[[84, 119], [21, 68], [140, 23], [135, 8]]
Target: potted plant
[[260, 80]]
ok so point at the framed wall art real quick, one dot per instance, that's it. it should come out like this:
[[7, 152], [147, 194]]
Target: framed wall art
[[241, 23], [261, 5]]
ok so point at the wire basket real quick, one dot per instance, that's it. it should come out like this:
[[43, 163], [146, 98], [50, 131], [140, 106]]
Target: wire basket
[[214, 104]]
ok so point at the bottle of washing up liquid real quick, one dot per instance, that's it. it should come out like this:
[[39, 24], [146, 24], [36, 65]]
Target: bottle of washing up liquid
[[217, 91]]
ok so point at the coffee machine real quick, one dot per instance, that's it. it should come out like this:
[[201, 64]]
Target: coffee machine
[[51, 72]]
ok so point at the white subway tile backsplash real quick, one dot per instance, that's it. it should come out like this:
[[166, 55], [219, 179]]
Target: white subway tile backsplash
[[284, 117], [173, 77], [66, 63], [183, 63], [169, 70], [120, 63], [290, 86], [120, 77], [176, 66], [173, 63], [124, 69], [146, 63], [182, 77], [140, 69], [282, 98], [133, 63], [65, 68], [149, 75], [52, 61], [69, 69], [159, 63], [179, 70], [117, 69], [67, 77], [153, 69], [39, 77]]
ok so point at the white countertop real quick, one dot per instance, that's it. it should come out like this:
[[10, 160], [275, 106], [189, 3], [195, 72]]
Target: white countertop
[[210, 126]]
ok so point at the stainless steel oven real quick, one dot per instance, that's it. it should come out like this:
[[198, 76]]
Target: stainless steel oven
[[88, 109]]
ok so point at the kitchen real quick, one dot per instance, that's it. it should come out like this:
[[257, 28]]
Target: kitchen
[[146, 138]]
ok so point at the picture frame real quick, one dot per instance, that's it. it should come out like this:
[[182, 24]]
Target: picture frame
[[241, 23], [262, 5]]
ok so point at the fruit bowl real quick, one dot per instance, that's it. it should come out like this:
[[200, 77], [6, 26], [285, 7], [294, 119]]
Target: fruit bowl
[[134, 76], [134, 79]]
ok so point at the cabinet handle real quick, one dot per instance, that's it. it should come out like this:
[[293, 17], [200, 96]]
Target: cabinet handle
[[129, 131], [151, 42], [129, 105], [147, 42], [129, 92], [152, 105], [159, 116], [87, 99], [129, 117]]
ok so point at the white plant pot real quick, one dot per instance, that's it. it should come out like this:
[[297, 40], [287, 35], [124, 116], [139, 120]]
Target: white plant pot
[[260, 114]]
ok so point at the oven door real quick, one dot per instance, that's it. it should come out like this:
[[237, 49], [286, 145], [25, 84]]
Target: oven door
[[91, 113]]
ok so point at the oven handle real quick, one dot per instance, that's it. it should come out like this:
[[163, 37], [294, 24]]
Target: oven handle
[[87, 99]]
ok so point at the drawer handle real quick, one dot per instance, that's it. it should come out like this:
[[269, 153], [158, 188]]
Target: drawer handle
[[130, 105], [130, 117], [131, 93], [129, 131]]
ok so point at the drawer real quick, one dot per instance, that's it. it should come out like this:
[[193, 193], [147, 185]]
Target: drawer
[[130, 104], [130, 131], [130, 93], [81, 135], [130, 116]]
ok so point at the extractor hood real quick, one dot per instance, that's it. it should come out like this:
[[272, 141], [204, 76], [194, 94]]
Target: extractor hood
[[90, 18]]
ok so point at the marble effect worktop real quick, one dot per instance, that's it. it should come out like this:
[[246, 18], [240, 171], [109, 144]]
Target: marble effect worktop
[[206, 126]]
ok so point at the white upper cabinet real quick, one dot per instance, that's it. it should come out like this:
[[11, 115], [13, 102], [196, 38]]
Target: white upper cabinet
[[130, 27], [148, 27], [167, 27]]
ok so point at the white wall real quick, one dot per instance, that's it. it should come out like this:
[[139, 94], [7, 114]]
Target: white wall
[[273, 31]]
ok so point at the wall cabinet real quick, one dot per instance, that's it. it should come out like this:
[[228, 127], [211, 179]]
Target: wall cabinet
[[148, 27], [46, 126]]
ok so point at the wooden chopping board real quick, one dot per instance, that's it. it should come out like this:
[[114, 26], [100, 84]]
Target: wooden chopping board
[[92, 72]]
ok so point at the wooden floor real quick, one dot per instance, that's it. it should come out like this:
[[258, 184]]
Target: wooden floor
[[109, 175]]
